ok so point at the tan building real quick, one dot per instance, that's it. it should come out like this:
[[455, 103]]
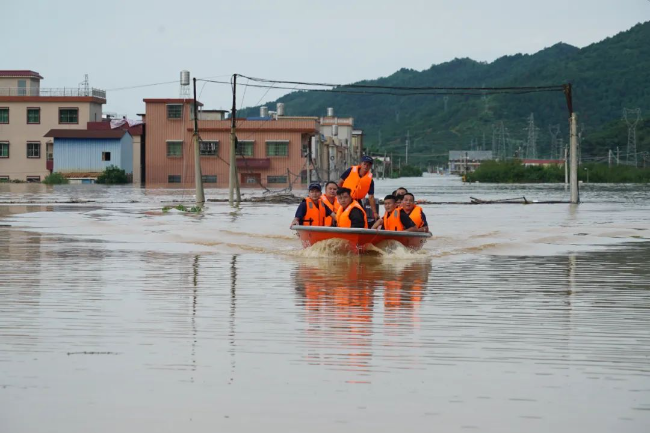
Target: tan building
[[28, 112]]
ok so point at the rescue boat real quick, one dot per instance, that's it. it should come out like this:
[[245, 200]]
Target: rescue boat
[[358, 240]]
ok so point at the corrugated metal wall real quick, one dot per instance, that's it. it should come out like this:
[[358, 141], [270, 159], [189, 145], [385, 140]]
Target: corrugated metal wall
[[76, 155]]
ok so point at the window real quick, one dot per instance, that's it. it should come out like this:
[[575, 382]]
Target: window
[[33, 115], [34, 150], [68, 115], [174, 178], [31, 179], [4, 115], [4, 149], [4, 179], [244, 147], [277, 148], [276, 179], [174, 149], [174, 111], [22, 87], [209, 179], [303, 176], [106, 156], [209, 148]]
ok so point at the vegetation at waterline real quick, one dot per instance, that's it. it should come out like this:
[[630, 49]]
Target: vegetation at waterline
[[515, 172], [406, 171], [183, 208], [55, 178], [113, 175]]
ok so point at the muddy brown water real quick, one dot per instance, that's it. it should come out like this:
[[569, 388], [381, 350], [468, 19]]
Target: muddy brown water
[[117, 317]]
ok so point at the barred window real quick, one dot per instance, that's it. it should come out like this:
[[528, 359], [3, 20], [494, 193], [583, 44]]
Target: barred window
[[244, 147], [276, 179], [174, 178], [209, 178], [209, 148], [68, 115], [174, 111], [34, 150], [174, 148], [277, 148]]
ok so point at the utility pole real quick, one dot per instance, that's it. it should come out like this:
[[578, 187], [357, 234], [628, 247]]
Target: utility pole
[[198, 176], [408, 133], [575, 195], [233, 184], [383, 172], [566, 168], [618, 153], [391, 165], [609, 158]]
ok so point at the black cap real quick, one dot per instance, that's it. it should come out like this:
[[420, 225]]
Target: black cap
[[366, 159], [315, 186]]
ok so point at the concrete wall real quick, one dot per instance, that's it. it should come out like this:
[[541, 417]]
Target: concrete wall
[[126, 154], [137, 153]]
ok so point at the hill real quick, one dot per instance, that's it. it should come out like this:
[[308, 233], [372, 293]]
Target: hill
[[606, 76]]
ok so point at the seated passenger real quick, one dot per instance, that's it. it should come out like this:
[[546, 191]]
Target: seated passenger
[[400, 191], [350, 214], [398, 200], [330, 201], [415, 212], [395, 218], [311, 212]]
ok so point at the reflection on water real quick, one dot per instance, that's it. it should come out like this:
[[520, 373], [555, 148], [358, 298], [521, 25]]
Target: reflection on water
[[512, 319]]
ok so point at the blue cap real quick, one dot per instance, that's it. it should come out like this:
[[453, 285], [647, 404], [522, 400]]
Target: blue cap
[[315, 186], [366, 159]]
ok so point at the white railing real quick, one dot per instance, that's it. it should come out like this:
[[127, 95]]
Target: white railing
[[49, 92]]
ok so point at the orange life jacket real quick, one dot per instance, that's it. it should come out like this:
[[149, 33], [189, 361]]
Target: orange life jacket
[[333, 207], [315, 215], [416, 216], [343, 215], [392, 221], [357, 184]]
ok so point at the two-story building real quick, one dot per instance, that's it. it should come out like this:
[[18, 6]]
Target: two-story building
[[270, 152], [28, 111]]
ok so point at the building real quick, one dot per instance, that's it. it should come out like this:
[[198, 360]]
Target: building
[[271, 151], [85, 154], [337, 149], [136, 130], [28, 111], [467, 161]]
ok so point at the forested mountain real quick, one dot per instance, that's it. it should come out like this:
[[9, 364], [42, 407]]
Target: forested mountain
[[606, 76]]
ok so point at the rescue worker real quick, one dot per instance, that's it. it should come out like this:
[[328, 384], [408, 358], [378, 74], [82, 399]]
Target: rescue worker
[[350, 214], [358, 179], [415, 212], [311, 212], [395, 218], [329, 200]]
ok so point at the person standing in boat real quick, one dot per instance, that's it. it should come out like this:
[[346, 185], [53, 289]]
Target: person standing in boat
[[311, 211], [415, 212], [329, 200], [395, 218], [358, 179], [350, 214]]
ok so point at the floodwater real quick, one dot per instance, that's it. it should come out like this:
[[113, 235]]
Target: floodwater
[[514, 318]]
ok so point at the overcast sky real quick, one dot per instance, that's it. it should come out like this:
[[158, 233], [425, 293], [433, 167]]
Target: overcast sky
[[122, 44]]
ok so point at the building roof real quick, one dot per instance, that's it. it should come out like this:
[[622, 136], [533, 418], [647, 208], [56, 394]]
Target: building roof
[[86, 133], [474, 155], [171, 101], [103, 126], [20, 73]]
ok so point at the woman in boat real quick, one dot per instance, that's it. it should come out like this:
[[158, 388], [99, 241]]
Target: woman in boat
[[415, 212], [329, 200], [358, 179], [395, 218], [311, 211], [350, 214]]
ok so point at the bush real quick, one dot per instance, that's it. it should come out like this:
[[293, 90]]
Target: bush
[[55, 179], [113, 175], [407, 171]]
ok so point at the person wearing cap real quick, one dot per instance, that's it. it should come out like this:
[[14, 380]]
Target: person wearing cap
[[358, 179], [311, 212]]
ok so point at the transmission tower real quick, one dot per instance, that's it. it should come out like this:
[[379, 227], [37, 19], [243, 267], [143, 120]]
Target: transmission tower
[[554, 130], [499, 143], [632, 117], [531, 143]]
